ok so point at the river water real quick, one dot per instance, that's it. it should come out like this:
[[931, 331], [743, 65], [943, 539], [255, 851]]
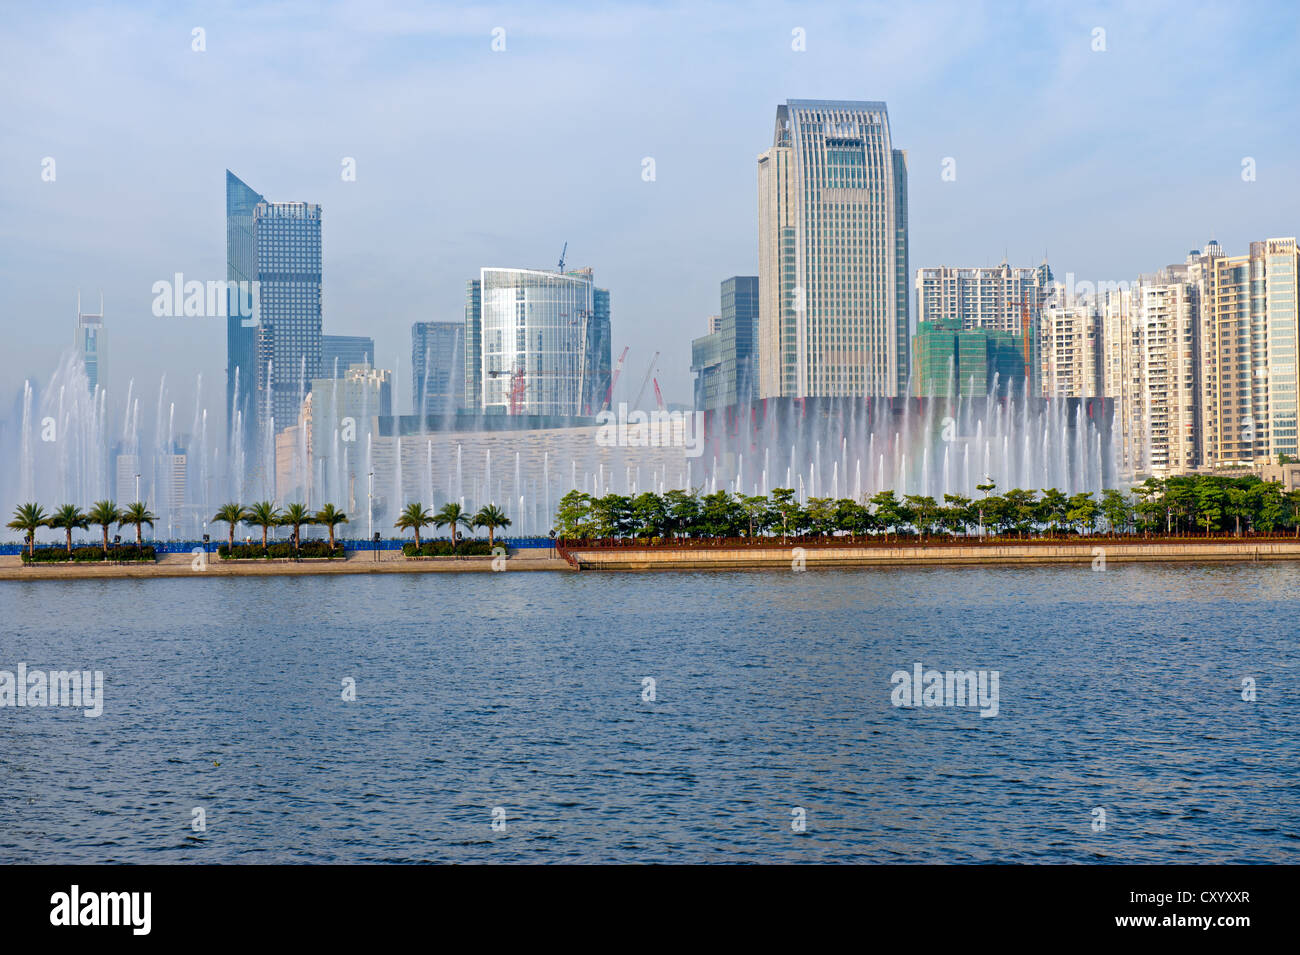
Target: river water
[[510, 717]]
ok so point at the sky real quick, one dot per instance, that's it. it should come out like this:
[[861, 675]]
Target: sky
[[1112, 137]]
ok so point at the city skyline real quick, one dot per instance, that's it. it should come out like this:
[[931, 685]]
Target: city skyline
[[978, 217]]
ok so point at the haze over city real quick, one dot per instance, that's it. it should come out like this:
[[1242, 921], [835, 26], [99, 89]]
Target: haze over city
[[1111, 161]]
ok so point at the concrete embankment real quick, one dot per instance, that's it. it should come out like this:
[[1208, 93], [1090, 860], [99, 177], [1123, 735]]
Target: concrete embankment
[[361, 562], [911, 555]]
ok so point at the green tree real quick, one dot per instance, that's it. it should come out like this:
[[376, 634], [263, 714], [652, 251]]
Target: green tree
[[956, 514], [295, 516], [69, 517], [137, 514], [104, 514], [230, 515], [1117, 509], [328, 516], [416, 518], [1052, 508], [572, 517], [451, 515], [784, 504], [1082, 511], [986, 489], [889, 511], [29, 518], [263, 514], [491, 517]]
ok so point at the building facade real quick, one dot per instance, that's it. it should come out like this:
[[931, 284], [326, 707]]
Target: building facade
[[537, 342], [951, 360], [725, 361], [338, 353], [833, 254], [90, 343], [437, 367], [1070, 347], [273, 357]]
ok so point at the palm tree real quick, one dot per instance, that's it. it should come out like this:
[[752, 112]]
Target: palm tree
[[263, 514], [139, 515], [453, 515], [491, 517], [104, 513], [69, 516], [29, 518], [414, 518], [296, 515], [330, 516], [230, 515]]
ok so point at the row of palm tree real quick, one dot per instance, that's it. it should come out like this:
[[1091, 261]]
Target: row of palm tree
[[452, 516], [265, 514], [29, 518]]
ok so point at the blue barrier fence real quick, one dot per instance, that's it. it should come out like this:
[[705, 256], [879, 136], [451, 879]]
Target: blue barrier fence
[[187, 547]]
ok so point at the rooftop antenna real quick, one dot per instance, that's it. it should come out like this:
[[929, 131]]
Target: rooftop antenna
[[560, 267]]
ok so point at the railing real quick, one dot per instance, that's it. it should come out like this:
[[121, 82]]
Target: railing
[[880, 542], [189, 546]]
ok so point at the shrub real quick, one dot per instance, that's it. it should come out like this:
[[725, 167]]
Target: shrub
[[85, 555], [474, 547], [279, 549]]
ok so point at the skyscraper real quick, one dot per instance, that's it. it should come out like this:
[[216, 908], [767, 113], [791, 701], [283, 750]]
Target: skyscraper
[[437, 367], [276, 355], [90, 343], [725, 361], [1070, 362], [1248, 337], [338, 353], [537, 342], [832, 253]]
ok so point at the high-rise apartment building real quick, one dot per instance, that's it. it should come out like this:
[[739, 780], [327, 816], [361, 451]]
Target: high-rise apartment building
[[1070, 343], [1168, 353], [437, 367], [1249, 327], [832, 251], [1122, 377], [966, 362], [275, 355], [1001, 297], [537, 342]]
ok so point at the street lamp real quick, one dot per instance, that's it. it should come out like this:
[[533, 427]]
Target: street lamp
[[137, 486]]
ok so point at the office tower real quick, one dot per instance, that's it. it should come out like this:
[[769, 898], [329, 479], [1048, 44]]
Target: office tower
[[1248, 319], [1168, 349], [294, 468], [706, 365], [89, 342], [599, 351], [437, 367], [1070, 342], [832, 253], [537, 342], [338, 353], [725, 361], [967, 362], [473, 401], [275, 355], [739, 329]]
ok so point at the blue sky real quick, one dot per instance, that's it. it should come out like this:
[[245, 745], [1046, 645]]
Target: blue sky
[[1113, 162]]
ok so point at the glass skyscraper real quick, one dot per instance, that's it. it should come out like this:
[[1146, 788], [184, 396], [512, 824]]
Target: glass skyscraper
[[832, 252], [437, 367], [276, 244], [537, 342]]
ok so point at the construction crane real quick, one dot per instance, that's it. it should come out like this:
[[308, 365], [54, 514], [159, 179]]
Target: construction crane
[[1027, 337], [645, 381], [659, 396], [560, 267], [618, 369]]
